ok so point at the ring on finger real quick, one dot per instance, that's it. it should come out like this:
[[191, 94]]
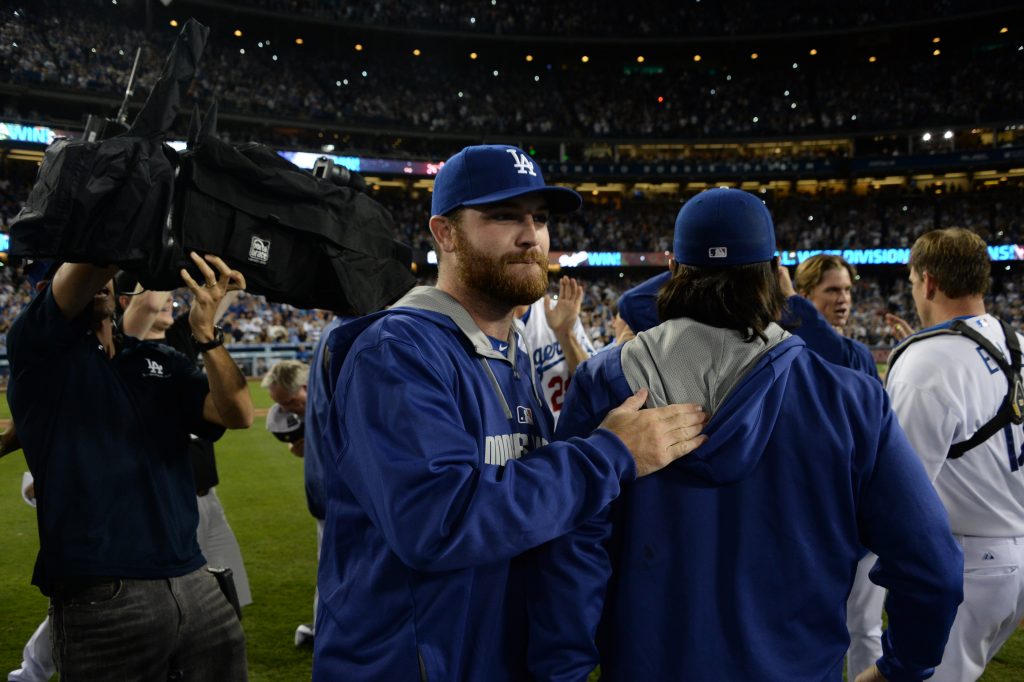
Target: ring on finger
[[209, 286]]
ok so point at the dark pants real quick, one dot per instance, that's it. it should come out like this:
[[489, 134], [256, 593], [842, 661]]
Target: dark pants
[[167, 629]]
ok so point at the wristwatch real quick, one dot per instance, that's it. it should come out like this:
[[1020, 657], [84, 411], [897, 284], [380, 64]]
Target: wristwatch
[[215, 342]]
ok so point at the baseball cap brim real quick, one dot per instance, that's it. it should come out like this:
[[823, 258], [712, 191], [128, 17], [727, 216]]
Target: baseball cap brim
[[558, 199]]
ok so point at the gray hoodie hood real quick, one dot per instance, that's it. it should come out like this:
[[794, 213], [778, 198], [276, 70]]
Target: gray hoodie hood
[[683, 361]]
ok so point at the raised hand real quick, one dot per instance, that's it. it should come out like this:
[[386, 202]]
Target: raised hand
[[207, 296]]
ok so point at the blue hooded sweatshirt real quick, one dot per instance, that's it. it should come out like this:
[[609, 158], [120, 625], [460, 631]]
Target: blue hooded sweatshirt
[[439, 476], [735, 562]]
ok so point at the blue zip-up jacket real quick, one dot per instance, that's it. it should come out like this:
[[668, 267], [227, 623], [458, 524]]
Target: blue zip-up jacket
[[735, 562], [439, 475]]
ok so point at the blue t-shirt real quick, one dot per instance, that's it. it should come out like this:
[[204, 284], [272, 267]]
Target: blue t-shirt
[[106, 441]]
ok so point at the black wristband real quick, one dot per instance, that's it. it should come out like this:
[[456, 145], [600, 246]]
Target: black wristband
[[215, 342]]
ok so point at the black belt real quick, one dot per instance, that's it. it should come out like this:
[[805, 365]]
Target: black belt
[[70, 586]]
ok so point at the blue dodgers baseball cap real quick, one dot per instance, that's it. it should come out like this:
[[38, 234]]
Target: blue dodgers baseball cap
[[489, 173], [724, 227]]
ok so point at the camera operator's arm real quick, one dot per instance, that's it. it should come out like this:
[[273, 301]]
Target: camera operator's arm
[[9, 441], [228, 402], [141, 312], [76, 284]]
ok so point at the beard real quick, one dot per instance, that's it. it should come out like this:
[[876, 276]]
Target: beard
[[492, 277]]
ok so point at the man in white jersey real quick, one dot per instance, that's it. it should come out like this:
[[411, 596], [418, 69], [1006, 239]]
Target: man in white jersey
[[556, 340], [944, 388]]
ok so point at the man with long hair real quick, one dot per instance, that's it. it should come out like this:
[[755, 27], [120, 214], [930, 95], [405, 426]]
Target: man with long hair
[[745, 550]]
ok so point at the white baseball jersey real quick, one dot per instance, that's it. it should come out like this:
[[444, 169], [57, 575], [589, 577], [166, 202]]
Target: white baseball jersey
[[943, 390], [548, 356]]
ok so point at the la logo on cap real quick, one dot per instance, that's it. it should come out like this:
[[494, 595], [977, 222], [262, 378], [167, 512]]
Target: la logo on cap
[[718, 252], [522, 163]]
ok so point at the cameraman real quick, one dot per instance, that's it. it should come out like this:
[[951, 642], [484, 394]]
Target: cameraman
[[104, 430]]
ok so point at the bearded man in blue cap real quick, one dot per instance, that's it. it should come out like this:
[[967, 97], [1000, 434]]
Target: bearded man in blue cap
[[439, 467], [735, 562]]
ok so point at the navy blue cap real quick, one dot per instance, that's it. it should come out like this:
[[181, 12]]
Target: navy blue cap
[[724, 227], [489, 173]]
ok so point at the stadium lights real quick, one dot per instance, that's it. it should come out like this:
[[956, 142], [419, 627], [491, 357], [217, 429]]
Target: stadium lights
[[1004, 29], [529, 57], [640, 59], [238, 33], [948, 135], [696, 57], [754, 55], [174, 23], [795, 65], [927, 137], [461, 94], [358, 47], [584, 59], [872, 59], [813, 52], [495, 72], [936, 52], [299, 41], [936, 39], [660, 99], [416, 52], [756, 119], [473, 55]]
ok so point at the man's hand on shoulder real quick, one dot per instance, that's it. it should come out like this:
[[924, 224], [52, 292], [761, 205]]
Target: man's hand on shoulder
[[656, 437]]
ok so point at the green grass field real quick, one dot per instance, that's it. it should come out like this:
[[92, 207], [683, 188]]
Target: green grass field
[[261, 489]]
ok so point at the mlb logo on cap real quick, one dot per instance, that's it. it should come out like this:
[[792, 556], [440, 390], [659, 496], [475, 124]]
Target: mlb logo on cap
[[723, 227]]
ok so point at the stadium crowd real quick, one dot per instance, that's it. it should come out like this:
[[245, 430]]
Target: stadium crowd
[[581, 18], [94, 54]]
